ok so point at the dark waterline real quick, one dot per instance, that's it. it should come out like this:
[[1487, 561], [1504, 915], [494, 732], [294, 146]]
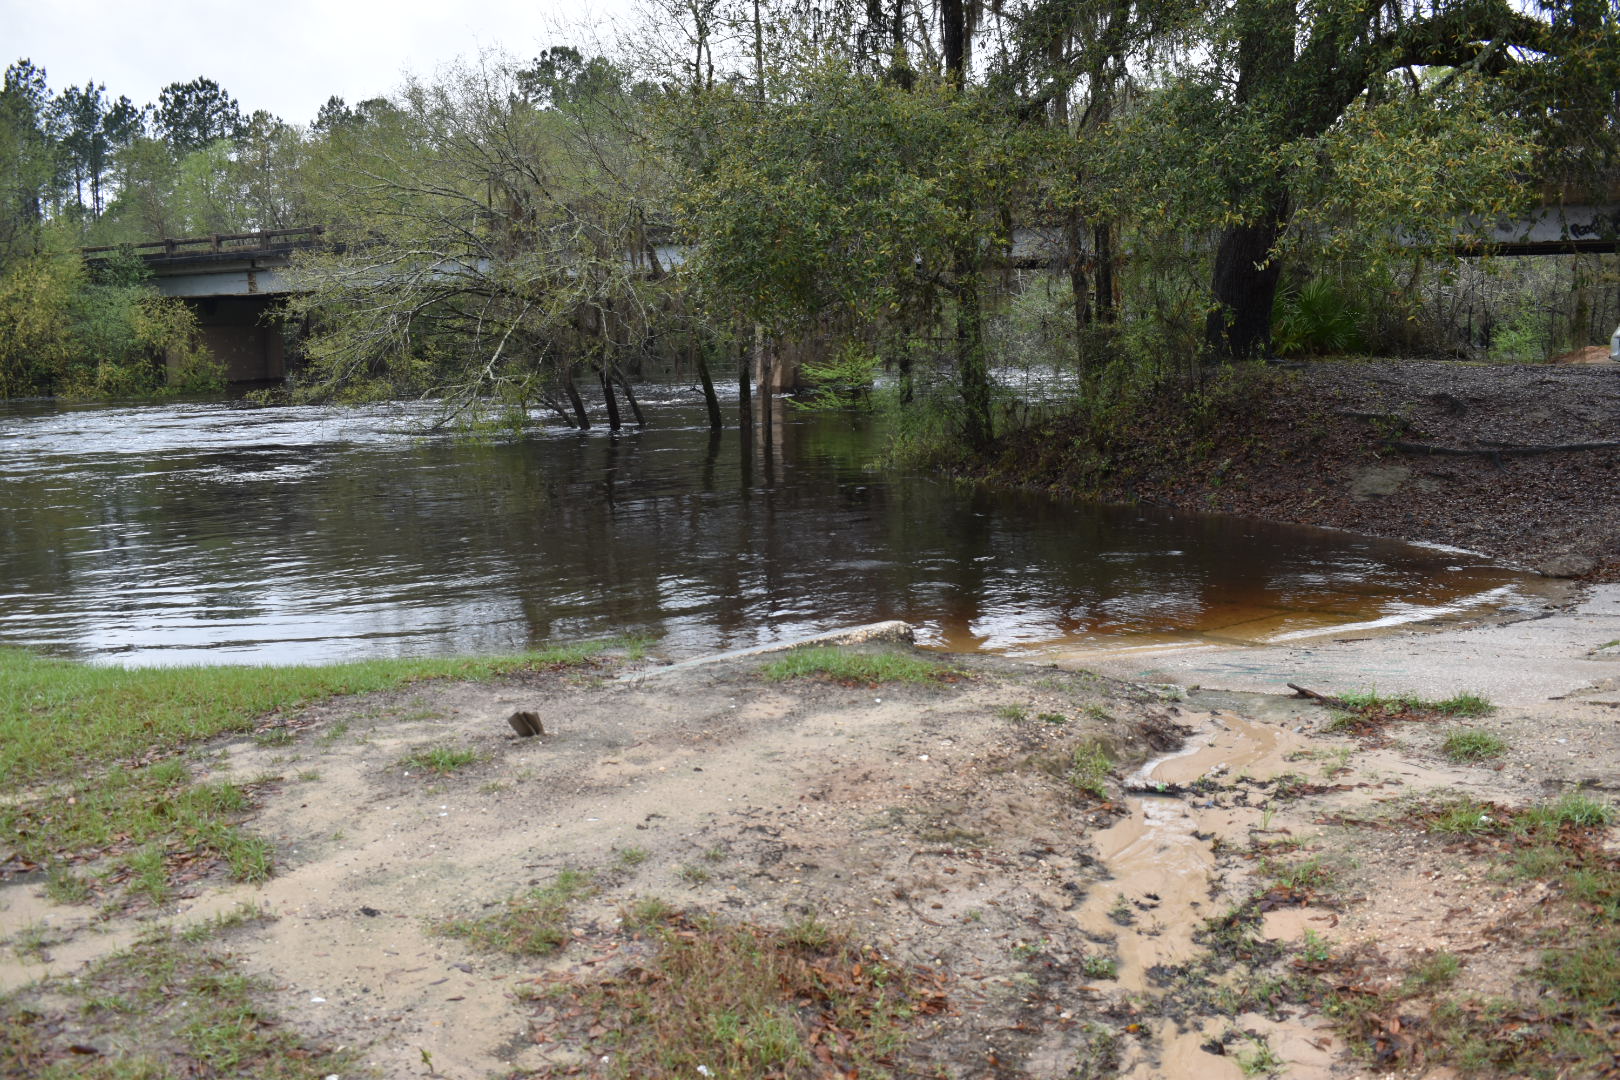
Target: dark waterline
[[200, 533]]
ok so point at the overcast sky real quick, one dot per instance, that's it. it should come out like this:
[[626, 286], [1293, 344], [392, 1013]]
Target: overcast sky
[[287, 56]]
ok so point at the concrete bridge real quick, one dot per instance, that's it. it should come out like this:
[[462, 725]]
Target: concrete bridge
[[234, 281]]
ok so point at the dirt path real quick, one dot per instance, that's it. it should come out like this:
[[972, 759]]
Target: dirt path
[[1162, 918]]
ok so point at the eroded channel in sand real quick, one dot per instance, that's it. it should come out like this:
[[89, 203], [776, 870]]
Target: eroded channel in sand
[[1162, 885]]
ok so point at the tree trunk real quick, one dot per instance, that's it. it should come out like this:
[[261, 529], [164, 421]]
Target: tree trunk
[[1078, 283], [954, 39], [630, 396], [581, 417], [745, 404], [608, 399], [1246, 272], [710, 398], [1103, 242], [1245, 285], [972, 369]]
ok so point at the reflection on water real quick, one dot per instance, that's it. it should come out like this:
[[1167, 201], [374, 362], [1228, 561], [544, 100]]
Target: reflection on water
[[188, 533]]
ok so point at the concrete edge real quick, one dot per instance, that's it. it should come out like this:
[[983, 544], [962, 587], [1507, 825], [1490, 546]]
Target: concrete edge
[[890, 630]]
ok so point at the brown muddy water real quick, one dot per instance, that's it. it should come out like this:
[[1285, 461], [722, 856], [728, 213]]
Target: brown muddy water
[[186, 533]]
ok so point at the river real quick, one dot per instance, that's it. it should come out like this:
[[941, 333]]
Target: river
[[188, 533]]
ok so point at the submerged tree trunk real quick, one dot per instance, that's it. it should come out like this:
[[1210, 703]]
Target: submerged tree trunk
[[710, 399], [580, 416], [745, 375], [608, 399], [630, 396]]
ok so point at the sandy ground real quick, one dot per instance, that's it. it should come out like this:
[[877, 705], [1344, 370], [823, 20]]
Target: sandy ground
[[932, 821]]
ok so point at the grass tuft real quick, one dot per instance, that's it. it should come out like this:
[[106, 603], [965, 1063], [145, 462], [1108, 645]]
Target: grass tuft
[[1088, 769], [1435, 970], [1260, 1059], [441, 760], [1467, 817], [529, 925], [1098, 966], [1367, 712], [693, 874], [1579, 810], [1464, 744], [646, 912], [856, 668], [63, 886]]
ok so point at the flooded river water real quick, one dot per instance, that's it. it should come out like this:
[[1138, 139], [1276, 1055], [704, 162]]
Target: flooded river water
[[188, 533]]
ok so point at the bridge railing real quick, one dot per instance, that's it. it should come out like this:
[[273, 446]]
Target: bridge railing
[[217, 243]]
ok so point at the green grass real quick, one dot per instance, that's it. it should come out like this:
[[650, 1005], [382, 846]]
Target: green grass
[[58, 716], [533, 924], [95, 753], [1012, 712], [1260, 1059], [1436, 970], [1466, 705], [63, 886], [1088, 769], [1315, 949], [1307, 875], [862, 668], [1467, 817], [646, 912], [1564, 1029], [809, 932], [1098, 966], [1577, 809], [174, 1006], [1027, 950], [245, 913], [147, 818], [1465, 745], [440, 760]]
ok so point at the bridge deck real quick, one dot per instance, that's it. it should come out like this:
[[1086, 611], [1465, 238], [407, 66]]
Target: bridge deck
[[219, 247]]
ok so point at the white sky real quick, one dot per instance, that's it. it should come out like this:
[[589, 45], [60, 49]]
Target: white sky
[[287, 56]]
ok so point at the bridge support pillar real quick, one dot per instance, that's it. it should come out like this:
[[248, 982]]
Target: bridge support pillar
[[240, 332], [777, 365]]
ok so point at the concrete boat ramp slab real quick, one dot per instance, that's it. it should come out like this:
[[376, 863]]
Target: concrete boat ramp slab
[[1573, 652]]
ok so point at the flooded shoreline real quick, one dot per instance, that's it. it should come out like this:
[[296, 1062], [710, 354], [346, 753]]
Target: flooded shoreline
[[200, 533]]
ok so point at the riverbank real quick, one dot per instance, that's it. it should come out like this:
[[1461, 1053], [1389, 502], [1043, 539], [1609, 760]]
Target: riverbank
[[866, 858], [1514, 461]]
